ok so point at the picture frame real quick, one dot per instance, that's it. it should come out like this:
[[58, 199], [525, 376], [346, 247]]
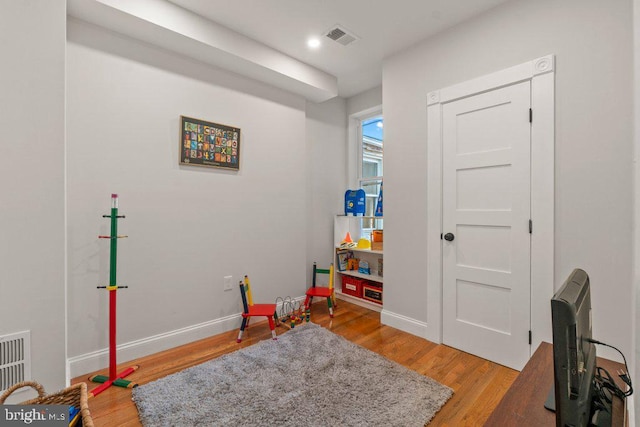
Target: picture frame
[[209, 144], [343, 258]]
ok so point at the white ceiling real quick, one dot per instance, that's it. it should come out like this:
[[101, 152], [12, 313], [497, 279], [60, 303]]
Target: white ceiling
[[385, 27]]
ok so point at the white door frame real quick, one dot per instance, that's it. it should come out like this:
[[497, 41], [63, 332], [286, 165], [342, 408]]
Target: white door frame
[[541, 73]]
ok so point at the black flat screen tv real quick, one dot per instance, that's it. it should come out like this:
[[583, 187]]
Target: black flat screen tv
[[574, 355]]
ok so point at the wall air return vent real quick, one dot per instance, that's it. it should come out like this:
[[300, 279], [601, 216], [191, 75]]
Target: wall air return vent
[[341, 35], [15, 359]]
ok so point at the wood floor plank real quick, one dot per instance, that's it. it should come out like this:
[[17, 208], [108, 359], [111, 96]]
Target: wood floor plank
[[478, 384]]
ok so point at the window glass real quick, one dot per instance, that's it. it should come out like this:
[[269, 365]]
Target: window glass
[[372, 143], [371, 169]]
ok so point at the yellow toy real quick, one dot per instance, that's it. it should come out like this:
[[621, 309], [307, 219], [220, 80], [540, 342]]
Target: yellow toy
[[364, 244]]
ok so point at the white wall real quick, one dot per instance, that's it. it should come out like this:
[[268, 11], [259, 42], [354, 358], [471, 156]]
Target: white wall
[[32, 223], [636, 223], [326, 136], [594, 184], [188, 227], [364, 101]]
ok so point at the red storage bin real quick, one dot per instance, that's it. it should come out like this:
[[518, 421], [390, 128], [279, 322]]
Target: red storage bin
[[372, 292], [352, 286]]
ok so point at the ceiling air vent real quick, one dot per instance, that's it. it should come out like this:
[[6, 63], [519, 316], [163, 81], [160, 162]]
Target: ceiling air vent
[[341, 35]]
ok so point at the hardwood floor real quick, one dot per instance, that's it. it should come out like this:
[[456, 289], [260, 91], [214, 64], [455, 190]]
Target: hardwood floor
[[477, 383]]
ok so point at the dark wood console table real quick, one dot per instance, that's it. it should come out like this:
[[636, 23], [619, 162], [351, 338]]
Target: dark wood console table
[[523, 404]]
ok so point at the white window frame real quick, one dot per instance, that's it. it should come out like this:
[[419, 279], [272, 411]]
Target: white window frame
[[355, 150], [354, 155]]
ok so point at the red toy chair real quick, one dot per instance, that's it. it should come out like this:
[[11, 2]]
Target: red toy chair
[[321, 291], [251, 309]]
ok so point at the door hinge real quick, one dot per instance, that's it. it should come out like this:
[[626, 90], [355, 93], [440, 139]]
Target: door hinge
[[530, 340], [530, 227], [530, 115]]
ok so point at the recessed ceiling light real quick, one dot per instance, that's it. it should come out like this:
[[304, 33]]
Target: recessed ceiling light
[[313, 43]]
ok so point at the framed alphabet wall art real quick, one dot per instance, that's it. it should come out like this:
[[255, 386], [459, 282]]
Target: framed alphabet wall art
[[209, 144]]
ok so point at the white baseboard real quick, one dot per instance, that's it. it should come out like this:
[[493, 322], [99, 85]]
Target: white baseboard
[[99, 359], [404, 323], [89, 362]]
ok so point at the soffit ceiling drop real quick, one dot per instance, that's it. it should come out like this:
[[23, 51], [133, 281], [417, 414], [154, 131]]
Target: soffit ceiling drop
[[267, 39]]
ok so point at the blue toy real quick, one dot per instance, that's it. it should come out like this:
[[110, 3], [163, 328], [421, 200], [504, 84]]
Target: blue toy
[[379, 205], [363, 267], [354, 202]]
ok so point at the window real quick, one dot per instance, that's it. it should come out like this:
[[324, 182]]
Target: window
[[371, 168]]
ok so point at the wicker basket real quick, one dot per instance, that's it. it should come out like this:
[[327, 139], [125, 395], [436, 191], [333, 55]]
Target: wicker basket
[[76, 395]]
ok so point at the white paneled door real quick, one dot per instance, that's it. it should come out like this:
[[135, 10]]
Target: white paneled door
[[486, 208]]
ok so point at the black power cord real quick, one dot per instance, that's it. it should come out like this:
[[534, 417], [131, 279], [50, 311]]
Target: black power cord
[[607, 382]]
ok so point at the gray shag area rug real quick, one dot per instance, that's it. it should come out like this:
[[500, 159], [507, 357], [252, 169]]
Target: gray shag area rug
[[309, 376]]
